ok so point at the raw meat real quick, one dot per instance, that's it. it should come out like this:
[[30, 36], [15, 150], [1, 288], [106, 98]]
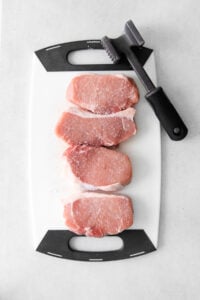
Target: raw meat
[[98, 214], [99, 168], [102, 94], [78, 127]]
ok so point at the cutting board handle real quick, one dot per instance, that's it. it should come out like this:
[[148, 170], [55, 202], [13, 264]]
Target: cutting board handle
[[57, 243], [56, 58]]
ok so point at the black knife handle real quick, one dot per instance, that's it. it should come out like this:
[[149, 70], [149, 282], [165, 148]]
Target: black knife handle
[[57, 243], [167, 114]]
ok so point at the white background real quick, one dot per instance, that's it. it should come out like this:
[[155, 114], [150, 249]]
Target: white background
[[172, 28]]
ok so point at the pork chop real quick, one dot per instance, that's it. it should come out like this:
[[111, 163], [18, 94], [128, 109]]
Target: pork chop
[[98, 214], [99, 168], [102, 94], [78, 127]]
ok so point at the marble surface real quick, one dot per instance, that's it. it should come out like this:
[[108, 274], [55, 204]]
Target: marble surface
[[172, 28]]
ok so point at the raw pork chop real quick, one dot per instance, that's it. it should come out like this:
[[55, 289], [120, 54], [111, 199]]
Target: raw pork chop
[[78, 127], [99, 168], [103, 94], [97, 214]]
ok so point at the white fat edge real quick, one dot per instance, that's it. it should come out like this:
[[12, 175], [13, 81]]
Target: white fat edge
[[74, 182], [128, 113], [121, 76], [107, 188], [83, 189]]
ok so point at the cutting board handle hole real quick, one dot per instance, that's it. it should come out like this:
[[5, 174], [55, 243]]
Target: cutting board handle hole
[[107, 243], [90, 56]]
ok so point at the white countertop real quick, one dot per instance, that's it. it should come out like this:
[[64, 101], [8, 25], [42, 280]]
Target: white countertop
[[172, 28]]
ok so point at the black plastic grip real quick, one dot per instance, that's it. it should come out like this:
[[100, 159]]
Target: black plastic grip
[[56, 58], [56, 243], [167, 114]]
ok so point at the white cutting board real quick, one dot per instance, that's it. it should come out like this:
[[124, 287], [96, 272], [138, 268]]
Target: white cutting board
[[49, 184]]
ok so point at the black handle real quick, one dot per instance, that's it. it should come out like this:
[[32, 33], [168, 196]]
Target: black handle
[[167, 114], [56, 243], [55, 58]]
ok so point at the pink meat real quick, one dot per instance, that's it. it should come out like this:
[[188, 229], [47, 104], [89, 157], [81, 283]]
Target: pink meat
[[99, 168], [102, 94], [78, 127], [97, 214]]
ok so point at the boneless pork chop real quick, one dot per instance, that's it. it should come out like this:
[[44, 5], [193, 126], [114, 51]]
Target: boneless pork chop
[[99, 168], [79, 127], [102, 94], [98, 214]]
